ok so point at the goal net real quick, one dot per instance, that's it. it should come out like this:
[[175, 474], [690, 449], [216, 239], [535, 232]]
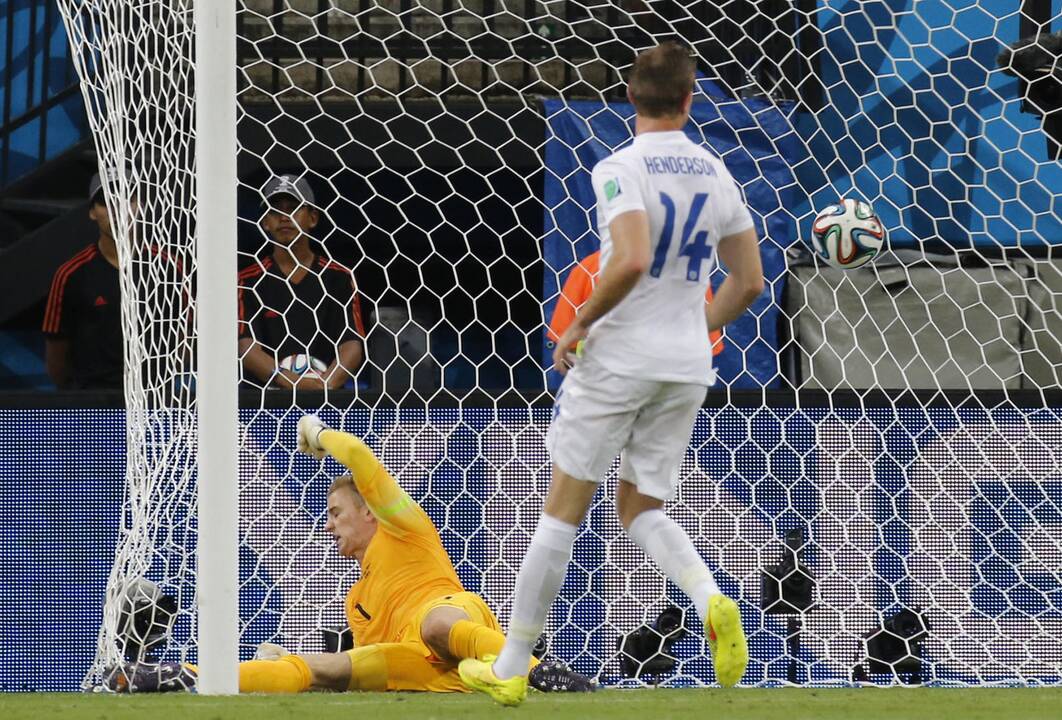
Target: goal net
[[875, 474]]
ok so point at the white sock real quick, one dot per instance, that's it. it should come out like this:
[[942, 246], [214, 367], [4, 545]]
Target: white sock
[[673, 552], [537, 585]]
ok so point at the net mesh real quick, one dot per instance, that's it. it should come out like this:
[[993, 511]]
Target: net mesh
[[143, 127], [447, 146]]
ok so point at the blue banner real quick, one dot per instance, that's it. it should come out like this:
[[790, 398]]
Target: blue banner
[[918, 120], [952, 511]]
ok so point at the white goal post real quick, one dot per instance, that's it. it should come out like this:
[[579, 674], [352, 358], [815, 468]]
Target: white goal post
[[217, 580]]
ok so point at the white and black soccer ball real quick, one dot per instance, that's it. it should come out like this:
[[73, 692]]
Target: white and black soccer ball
[[145, 618], [847, 234], [304, 365]]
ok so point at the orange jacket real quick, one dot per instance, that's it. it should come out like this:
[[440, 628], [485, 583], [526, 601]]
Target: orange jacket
[[577, 289]]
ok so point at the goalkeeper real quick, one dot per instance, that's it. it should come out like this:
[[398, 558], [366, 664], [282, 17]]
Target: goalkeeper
[[411, 619]]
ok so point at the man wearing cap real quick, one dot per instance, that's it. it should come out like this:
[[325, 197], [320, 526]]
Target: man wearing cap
[[296, 304], [82, 321]]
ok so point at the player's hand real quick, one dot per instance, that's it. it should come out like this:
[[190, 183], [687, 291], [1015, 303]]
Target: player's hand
[[563, 357], [286, 378], [310, 382], [305, 381], [310, 427]]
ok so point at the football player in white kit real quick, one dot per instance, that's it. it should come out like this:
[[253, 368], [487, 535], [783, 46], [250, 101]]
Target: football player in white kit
[[666, 210]]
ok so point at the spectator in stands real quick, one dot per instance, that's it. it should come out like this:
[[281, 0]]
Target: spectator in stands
[[576, 290], [300, 317], [82, 321]]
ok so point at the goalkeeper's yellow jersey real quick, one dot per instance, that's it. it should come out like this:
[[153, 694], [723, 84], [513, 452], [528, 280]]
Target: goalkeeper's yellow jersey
[[405, 565]]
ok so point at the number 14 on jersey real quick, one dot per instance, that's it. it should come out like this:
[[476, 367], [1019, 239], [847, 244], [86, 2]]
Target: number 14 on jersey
[[696, 248]]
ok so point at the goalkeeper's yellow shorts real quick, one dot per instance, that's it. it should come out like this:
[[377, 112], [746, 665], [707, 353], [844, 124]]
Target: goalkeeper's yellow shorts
[[470, 602], [410, 664]]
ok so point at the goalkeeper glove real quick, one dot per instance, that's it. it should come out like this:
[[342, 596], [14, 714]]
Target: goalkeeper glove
[[310, 428], [269, 651]]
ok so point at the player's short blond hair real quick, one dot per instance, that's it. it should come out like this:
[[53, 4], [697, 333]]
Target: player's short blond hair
[[346, 481], [661, 79]]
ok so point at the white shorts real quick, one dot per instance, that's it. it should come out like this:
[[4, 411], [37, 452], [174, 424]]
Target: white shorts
[[598, 415]]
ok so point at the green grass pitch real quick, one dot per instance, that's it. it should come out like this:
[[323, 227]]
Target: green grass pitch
[[711, 704]]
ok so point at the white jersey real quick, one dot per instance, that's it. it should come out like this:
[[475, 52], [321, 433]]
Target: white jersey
[[658, 331]]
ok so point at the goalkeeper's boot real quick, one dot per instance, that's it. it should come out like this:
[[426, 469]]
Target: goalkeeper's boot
[[142, 677], [556, 676], [726, 640], [479, 675]]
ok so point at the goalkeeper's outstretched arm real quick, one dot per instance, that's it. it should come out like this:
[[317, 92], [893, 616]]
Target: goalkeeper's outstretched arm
[[392, 506]]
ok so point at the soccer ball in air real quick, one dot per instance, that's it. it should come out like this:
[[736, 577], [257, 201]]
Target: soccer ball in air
[[304, 365], [847, 234]]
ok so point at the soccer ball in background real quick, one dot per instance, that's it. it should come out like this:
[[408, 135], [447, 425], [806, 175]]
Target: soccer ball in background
[[145, 620], [848, 234], [304, 365]]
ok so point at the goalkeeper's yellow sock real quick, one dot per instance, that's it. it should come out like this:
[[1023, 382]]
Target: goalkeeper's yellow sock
[[289, 674], [470, 639], [474, 640]]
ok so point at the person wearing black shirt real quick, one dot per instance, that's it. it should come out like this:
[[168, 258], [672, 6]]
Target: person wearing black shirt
[[82, 320], [295, 302]]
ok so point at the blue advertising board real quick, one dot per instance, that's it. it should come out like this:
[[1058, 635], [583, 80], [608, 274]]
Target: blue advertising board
[[953, 511]]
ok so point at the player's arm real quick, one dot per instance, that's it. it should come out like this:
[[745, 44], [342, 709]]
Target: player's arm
[[392, 506], [740, 253], [739, 250], [56, 325], [351, 351], [346, 363], [622, 208], [256, 362], [57, 360], [629, 260], [259, 364]]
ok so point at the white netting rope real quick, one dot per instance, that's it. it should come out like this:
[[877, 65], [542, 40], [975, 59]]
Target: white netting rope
[[142, 123], [410, 122]]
